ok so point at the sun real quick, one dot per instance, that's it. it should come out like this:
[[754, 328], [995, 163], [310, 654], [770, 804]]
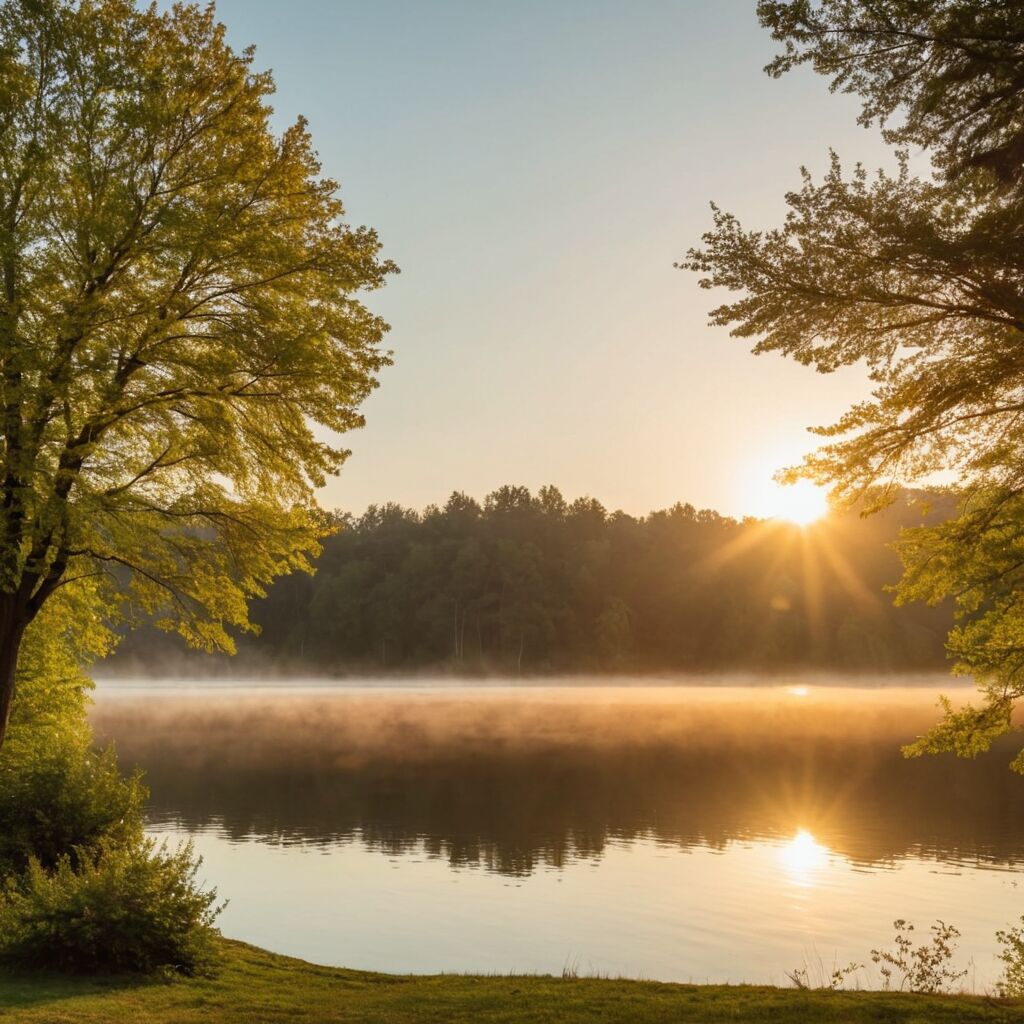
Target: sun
[[801, 503]]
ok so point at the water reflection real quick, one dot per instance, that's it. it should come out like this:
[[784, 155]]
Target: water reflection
[[512, 780], [803, 857]]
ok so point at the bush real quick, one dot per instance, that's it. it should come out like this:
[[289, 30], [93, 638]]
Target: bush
[[1011, 984], [126, 906], [58, 796], [925, 968], [81, 888]]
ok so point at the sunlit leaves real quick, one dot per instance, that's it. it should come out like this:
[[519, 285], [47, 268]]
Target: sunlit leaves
[[966, 731], [921, 281], [180, 334]]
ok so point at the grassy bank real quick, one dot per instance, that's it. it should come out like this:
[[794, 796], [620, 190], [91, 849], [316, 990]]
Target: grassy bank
[[256, 986]]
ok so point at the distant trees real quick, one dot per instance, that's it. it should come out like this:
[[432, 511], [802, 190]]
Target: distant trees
[[177, 314], [922, 280], [533, 583]]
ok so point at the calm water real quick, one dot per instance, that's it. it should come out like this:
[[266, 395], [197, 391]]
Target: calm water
[[680, 833]]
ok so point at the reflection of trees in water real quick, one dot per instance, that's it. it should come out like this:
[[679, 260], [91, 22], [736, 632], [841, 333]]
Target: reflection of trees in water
[[513, 786]]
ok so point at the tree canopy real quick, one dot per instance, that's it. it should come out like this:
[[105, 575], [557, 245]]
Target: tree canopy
[[949, 71], [180, 337], [921, 279]]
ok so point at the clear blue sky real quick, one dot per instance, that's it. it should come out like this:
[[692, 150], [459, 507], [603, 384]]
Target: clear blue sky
[[535, 168]]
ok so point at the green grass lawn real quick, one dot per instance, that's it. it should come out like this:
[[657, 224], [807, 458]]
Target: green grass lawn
[[255, 986]]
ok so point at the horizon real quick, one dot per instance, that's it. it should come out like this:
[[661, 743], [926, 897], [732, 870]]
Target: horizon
[[781, 515]]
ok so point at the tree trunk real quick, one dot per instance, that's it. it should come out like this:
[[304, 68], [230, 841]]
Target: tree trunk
[[12, 628]]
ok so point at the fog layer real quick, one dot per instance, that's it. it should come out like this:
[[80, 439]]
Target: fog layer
[[512, 777]]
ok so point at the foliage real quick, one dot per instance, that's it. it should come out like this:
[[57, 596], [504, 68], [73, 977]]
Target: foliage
[[254, 985], [965, 731], [57, 796], [121, 907], [82, 888], [951, 68], [52, 683], [920, 279], [57, 793], [1011, 985], [924, 968], [531, 582], [178, 316]]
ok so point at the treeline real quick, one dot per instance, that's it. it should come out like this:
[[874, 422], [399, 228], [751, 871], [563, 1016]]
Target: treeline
[[532, 583]]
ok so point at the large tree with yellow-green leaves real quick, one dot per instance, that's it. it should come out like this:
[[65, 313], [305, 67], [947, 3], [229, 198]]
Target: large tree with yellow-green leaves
[[921, 279], [180, 333]]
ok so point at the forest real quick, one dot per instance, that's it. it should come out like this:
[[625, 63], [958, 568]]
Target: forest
[[533, 583]]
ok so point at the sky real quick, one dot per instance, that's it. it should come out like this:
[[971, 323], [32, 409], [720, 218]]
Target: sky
[[535, 168]]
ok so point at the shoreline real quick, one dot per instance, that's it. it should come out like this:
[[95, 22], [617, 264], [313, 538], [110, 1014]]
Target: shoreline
[[255, 986]]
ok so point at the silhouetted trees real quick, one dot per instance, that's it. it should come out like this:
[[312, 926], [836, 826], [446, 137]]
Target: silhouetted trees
[[534, 583]]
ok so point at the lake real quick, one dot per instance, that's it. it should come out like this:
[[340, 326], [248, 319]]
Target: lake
[[704, 833]]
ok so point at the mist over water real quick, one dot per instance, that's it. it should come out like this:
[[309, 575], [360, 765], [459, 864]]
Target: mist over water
[[404, 791]]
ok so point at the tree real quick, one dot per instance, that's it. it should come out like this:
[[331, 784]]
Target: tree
[[178, 314], [535, 583], [951, 67], [921, 279]]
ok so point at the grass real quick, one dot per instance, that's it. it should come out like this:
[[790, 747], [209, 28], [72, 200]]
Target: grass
[[254, 986]]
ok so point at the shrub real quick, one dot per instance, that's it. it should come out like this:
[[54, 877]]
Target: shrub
[[58, 796], [126, 906], [81, 888], [924, 968], [1011, 984]]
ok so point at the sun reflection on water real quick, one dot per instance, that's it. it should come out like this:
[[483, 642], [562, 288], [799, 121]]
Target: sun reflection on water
[[802, 857]]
